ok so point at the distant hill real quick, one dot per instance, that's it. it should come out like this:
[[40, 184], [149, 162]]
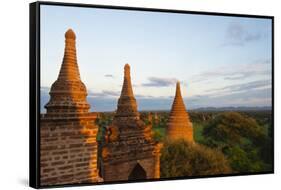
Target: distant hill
[[99, 104]]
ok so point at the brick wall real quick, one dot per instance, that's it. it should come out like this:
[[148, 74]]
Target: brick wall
[[120, 157], [121, 171], [68, 151]]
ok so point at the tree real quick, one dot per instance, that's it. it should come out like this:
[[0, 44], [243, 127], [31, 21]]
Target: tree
[[158, 135], [232, 128], [240, 138], [181, 158]]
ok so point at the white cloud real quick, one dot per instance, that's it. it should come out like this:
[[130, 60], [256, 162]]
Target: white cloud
[[160, 82], [260, 67]]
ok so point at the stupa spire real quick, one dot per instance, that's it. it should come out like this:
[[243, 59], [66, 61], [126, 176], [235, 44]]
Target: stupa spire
[[127, 105], [69, 68], [127, 89], [69, 122], [68, 93], [178, 105], [179, 125], [129, 141]]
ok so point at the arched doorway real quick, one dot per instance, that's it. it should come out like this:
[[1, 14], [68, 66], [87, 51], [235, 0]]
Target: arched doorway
[[137, 173]]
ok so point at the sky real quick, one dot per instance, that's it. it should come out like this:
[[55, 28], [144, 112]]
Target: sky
[[220, 61]]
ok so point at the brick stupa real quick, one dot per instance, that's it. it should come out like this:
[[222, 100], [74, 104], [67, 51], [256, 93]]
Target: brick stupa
[[68, 93], [179, 125], [127, 105], [129, 152], [67, 131]]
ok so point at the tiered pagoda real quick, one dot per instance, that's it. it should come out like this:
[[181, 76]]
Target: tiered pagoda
[[179, 125], [129, 152], [68, 148]]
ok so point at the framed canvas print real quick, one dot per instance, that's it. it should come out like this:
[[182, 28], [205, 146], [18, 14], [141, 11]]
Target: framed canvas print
[[123, 94]]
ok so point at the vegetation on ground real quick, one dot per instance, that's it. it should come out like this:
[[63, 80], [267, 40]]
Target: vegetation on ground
[[181, 158], [240, 140]]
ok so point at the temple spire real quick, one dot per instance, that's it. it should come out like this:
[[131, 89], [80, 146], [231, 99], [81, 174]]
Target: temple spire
[[129, 141], [178, 105], [179, 125], [127, 105], [68, 93], [69, 68], [127, 89]]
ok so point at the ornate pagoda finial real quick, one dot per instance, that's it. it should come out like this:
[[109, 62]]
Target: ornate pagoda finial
[[69, 34]]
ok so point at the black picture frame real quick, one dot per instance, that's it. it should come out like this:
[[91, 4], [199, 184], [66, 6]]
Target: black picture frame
[[34, 86]]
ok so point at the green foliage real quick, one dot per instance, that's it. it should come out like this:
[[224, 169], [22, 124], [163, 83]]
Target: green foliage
[[244, 161], [103, 121], [197, 132], [201, 117], [101, 133], [159, 134], [266, 155], [161, 122], [231, 128], [240, 138], [181, 158], [244, 138]]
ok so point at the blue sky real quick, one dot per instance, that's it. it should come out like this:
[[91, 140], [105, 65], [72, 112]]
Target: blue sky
[[220, 61]]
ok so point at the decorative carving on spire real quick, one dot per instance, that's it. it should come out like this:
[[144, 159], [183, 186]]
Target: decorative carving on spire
[[179, 125]]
